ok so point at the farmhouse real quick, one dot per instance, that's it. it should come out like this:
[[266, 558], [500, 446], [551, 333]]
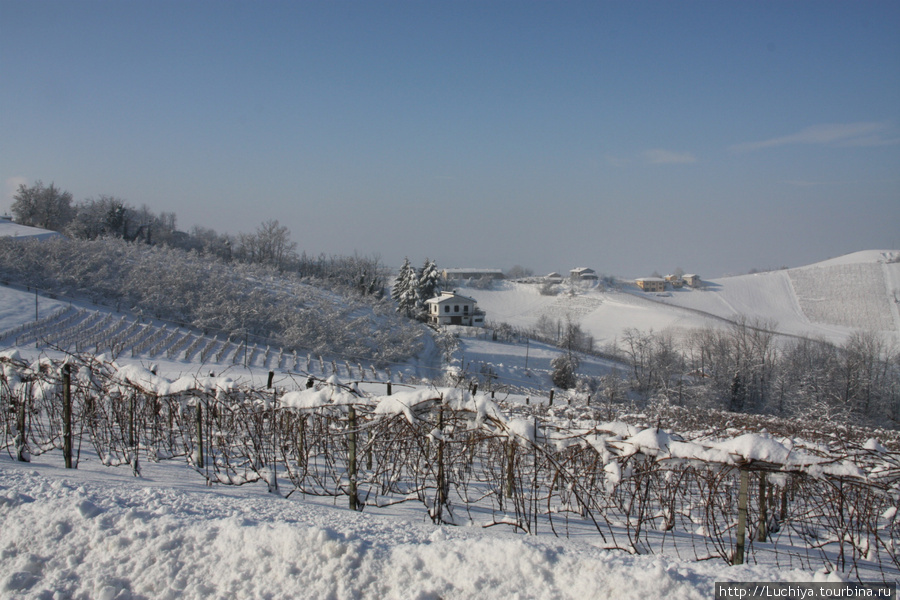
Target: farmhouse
[[651, 284], [675, 281], [583, 274], [451, 308], [553, 277], [691, 280], [451, 274]]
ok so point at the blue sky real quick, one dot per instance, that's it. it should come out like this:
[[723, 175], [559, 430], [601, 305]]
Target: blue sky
[[629, 137]]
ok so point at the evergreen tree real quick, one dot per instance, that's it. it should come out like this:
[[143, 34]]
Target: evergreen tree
[[429, 281], [406, 289]]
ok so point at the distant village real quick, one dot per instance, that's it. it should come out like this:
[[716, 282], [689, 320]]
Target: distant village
[[451, 308]]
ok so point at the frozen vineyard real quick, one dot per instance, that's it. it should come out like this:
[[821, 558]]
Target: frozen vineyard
[[717, 486], [856, 295]]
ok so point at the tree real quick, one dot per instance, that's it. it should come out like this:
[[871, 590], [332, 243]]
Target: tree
[[519, 272], [99, 217], [406, 289], [564, 367], [270, 245], [429, 281], [40, 206]]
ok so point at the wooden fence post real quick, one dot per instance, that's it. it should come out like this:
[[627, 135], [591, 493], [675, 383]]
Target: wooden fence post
[[67, 414], [351, 451], [743, 498], [763, 532], [510, 465], [199, 454], [551, 398], [273, 482], [440, 498], [21, 437]]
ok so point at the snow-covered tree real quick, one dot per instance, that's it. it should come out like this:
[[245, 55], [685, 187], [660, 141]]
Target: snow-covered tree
[[406, 289], [429, 281], [42, 206]]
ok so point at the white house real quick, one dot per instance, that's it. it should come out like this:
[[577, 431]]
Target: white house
[[452, 309], [691, 280]]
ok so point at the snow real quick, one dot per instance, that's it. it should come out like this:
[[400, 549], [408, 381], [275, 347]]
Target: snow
[[16, 230], [99, 533], [828, 300]]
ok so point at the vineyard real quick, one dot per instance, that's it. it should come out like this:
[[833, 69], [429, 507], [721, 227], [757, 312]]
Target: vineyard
[[698, 485], [80, 330]]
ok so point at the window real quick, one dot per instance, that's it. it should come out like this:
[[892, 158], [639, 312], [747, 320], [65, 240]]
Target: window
[[456, 308], [466, 308], [447, 308]]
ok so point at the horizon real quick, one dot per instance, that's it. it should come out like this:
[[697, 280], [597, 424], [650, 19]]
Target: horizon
[[717, 138]]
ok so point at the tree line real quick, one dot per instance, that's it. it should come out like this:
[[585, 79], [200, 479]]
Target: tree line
[[106, 216]]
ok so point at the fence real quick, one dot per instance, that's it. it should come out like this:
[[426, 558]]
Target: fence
[[828, 502]]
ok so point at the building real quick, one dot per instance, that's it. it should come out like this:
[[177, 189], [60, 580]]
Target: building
[[675, 281], [14, 230], [451, 308], [651, 284], [583, 274], [451, 274], [553, 277], [691, 280]]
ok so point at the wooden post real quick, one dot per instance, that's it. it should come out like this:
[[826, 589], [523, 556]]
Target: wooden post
[[273, 483], [440, 498], [388, 388], [132, 438], [743, 497], [21, 438], [762, 533], [551, 398], [199, 453], [510, 466], [351, 451], [67, 414]]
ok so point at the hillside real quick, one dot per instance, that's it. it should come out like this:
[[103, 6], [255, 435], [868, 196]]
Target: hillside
[[827, 300]]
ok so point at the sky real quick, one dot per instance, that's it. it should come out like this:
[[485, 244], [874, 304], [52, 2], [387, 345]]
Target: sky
[[629, 137]]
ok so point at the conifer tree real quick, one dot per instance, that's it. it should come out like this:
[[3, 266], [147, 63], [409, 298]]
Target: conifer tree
[[429, 281], [406, 289]]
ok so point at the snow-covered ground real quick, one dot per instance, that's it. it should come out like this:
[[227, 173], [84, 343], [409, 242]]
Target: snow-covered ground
[[828, 300], [100, 533]]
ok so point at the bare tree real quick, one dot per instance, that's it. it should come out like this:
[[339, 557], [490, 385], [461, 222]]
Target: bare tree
[[270, 245], [42, 206]]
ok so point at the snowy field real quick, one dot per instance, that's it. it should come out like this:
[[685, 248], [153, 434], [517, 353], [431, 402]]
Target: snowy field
[[828, 300], [100, 533]]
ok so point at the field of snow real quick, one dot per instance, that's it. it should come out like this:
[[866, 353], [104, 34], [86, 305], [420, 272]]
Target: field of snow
[[99, 533], [828, 300]]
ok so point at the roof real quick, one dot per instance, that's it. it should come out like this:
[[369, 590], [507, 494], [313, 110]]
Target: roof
[[448, 296], [16, 230], [651, 279]]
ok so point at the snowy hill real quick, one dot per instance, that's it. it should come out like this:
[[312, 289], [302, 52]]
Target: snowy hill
[[827, 300]]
